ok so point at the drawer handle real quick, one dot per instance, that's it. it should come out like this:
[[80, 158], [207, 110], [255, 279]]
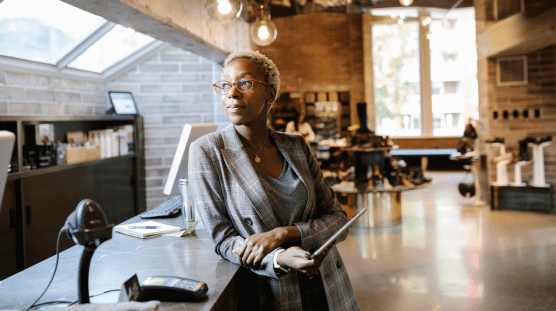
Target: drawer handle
[[28, 214]]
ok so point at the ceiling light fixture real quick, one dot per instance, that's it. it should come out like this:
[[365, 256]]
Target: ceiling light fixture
[[223, 11], [263, 31], [406, 2]]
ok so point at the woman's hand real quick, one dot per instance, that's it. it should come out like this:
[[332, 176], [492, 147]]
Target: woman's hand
[[299, 259], [255, 247]]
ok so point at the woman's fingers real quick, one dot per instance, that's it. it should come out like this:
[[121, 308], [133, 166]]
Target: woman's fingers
[[242, 252], [249, 255], [297, 251]]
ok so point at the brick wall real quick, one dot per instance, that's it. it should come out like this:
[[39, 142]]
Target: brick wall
[[27, 94], [321, 52], [516, 106], [171, 88], [484, 14]]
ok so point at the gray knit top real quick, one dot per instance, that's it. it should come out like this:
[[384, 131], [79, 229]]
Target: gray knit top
[[287, 195]]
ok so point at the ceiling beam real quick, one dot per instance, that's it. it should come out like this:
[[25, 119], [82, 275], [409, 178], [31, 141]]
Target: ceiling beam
[[438, 4], [518, 34]]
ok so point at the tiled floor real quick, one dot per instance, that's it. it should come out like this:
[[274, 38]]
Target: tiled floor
[[448, 254]]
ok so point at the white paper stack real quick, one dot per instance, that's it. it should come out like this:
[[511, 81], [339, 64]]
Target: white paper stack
[[146, 229]]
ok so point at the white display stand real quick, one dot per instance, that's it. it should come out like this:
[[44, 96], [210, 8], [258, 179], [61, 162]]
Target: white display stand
[[538, 164], [476, 182], [517, 174], [502, 166]]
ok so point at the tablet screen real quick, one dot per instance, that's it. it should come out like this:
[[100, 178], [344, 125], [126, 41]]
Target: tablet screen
[[335, 236]]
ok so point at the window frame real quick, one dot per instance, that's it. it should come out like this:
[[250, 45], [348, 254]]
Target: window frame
[[427, 117], [61, 70]]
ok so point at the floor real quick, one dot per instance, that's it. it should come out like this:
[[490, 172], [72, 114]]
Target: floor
[[448, 254]]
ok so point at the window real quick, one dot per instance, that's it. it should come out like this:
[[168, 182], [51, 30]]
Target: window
[[451, 87], [511, 70], [456, 75], [102, 54], [399, 105], [44, 30], [449, 55], [51, 34], [397, 87]]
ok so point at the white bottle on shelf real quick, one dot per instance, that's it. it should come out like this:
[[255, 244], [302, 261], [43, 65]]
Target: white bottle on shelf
[[115, 144], [102, 144]]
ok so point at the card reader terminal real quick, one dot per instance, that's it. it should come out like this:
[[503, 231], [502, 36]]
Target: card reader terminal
[[172, 288]]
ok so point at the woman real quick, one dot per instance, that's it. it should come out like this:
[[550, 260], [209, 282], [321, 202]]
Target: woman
[[262, 197], [299, 126]]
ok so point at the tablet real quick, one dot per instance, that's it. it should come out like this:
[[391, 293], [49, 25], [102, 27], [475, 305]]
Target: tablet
[[335, 236], [123, 102]]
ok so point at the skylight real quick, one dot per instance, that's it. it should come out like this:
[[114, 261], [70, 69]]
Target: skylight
[[104, 53], [55, 33], [42, 31]]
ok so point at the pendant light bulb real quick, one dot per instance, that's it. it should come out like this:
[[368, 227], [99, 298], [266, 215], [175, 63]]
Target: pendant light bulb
[[224, 7], [406, 2], [263, 31], [223, 11]]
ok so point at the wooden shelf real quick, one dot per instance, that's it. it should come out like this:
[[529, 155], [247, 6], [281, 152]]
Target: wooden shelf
[[64, 167], [38, 201]]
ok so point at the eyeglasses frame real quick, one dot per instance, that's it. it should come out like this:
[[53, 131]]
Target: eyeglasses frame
[[234, 84]]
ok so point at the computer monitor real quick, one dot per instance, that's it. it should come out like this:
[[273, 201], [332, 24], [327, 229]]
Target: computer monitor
[[178, 169], [6, 146]]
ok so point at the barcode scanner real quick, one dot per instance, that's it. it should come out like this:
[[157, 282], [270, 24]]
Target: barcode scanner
[[87, 226]]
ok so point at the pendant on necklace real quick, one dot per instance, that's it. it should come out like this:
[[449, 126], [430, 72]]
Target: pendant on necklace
[[257, 159]]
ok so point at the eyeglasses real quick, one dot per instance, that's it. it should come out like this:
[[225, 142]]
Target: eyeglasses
[[245, 86]]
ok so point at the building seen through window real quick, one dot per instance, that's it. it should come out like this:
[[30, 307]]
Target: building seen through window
[[397, 72]]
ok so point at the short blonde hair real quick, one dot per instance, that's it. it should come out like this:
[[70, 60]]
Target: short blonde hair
[[267, 66]]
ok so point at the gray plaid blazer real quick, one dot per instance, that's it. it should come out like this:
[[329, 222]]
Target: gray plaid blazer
[[233, 205]]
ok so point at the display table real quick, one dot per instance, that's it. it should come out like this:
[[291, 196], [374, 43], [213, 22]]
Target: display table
[[384, 206], [365, 158], [116, 260]]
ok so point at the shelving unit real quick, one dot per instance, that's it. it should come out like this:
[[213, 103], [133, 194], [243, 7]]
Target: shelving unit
[[328, 113], [38, 201]]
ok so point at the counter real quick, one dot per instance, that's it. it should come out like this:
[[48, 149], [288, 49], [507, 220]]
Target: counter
[[116, 260]]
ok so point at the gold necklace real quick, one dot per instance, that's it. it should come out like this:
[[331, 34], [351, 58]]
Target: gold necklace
[[257, 159]]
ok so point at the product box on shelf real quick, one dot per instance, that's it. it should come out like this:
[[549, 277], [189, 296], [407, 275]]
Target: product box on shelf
[[78, 155]]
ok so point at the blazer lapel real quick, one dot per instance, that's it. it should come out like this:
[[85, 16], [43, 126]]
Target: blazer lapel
[[238, 163]]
